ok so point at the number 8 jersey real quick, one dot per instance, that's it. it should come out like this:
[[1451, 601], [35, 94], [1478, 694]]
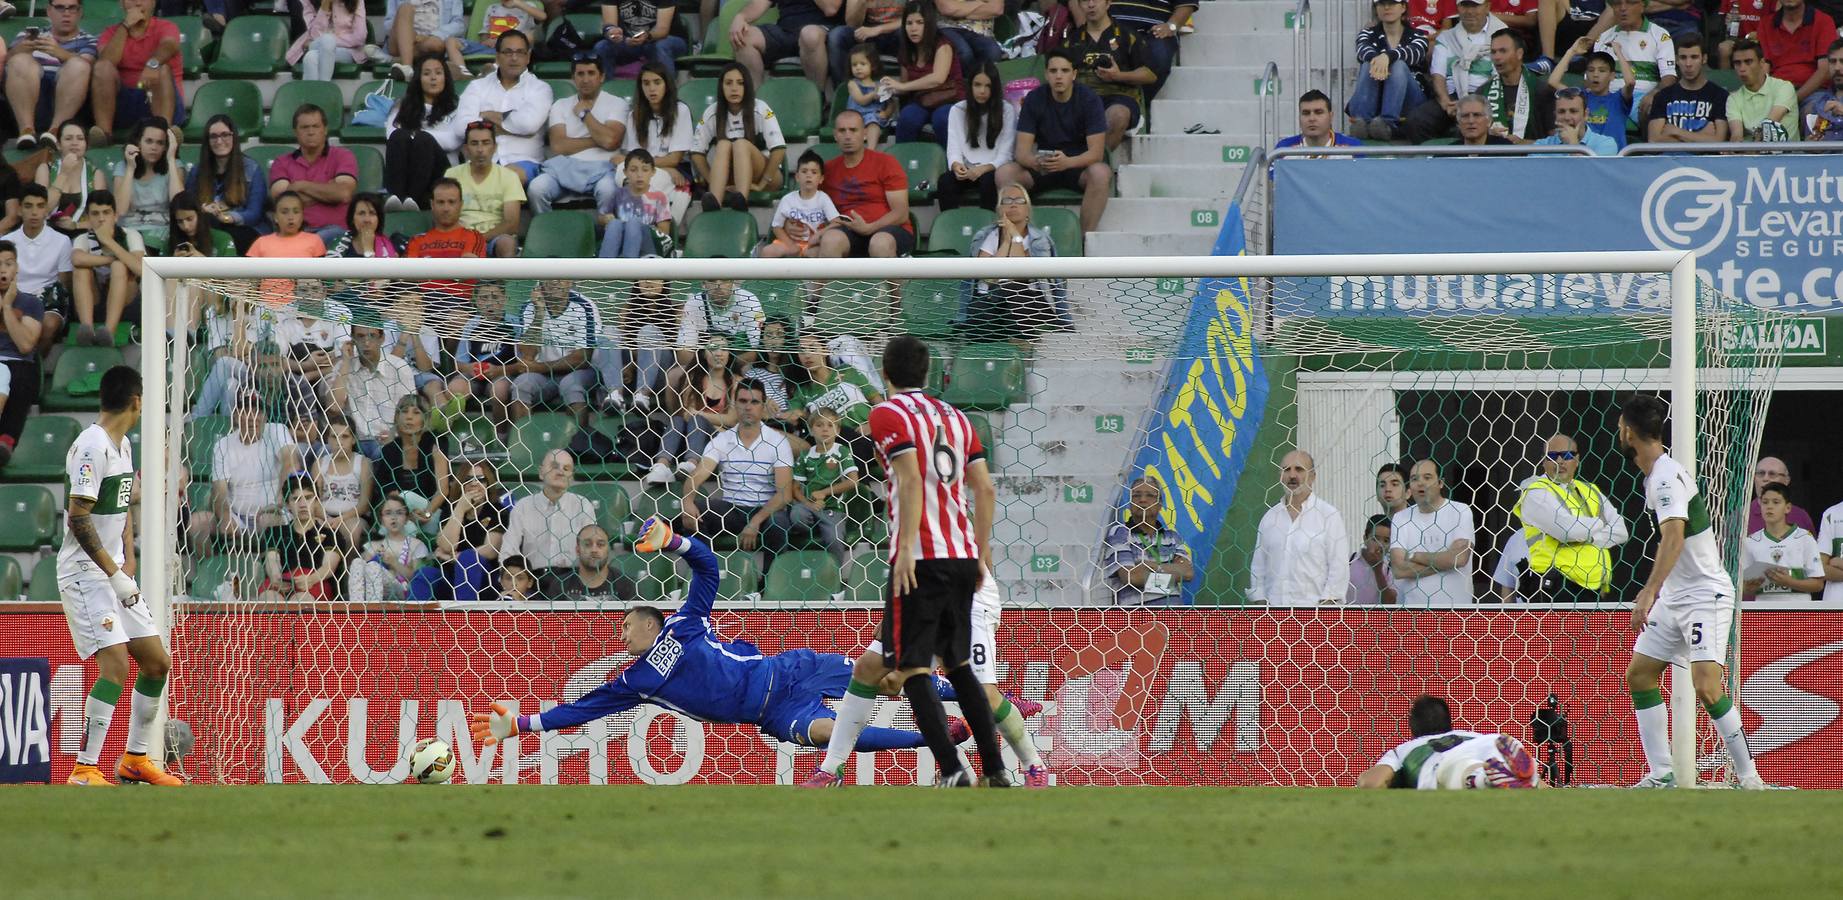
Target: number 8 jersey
[[913, 422], [95, 470]]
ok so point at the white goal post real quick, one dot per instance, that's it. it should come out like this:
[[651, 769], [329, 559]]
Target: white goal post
[[164, 361]]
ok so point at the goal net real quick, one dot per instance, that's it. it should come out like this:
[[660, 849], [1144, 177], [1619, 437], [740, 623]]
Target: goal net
[[406, 488]]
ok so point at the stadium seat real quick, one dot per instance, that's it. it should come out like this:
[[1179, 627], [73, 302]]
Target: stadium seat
[[796, 103], [866, 577], [718, 51], [408, 223], [370, 167], [44, 585], [780, 299], [201, 434], [367, 134], [954, 229], [294, 94], [653, 502], [724, 234], [742, 575], [28, 517], [74, 363], [589, 25], [621, 87], [240, 100], [929, 306], [561, 88], [12, 580], [267, 153], [852, 307], [923, 162], [533, 436], [611, 507], [42, 446], [803, 576], [986, 376], [10, 28], [1010, 70], [193, 39], [697, 95], [1064, 226], [612, 426], [252, 46], [560, 234], [827, 150], [474, 437], [214, 570], [982, 426], [652, 574]]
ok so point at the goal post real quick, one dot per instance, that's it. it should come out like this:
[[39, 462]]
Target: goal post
[[1112, 343]]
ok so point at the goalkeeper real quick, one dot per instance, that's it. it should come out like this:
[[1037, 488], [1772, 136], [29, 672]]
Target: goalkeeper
[[1440, 758], [682, 665]]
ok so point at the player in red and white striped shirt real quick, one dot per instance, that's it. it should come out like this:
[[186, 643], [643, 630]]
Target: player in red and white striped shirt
[[935, 462]]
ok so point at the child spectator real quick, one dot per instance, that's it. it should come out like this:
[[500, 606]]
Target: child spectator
[[386, 565], [303, 557], [864, 96], [342, 477], [803, 213], [502, 16], [1607, 109], [418, 27], [824, 476], [641, 222], [107, 260], [332, 26]]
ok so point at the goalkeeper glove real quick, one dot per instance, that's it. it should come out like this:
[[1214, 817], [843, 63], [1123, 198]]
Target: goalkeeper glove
[[493, 727], [655, 535], [125, 588]]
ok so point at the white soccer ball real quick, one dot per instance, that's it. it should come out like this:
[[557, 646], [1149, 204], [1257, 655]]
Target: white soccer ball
[[431, 762]]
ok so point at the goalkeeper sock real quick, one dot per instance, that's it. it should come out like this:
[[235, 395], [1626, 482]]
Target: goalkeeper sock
[[931, 719], [944, 689], [978, 712], [874, 739], [853, 711], [1653, 728], [1728, 723], [142, 709], [98, 709], [1011, 724]]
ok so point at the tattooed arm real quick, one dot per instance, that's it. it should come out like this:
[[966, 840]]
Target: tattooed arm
[[84, 532]]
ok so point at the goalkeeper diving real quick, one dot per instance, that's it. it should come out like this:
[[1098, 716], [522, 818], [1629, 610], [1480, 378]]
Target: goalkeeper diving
[[1442, 758], [681, 664]]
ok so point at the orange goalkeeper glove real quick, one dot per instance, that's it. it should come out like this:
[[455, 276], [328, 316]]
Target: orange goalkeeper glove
[[655, 535], [493, 727]]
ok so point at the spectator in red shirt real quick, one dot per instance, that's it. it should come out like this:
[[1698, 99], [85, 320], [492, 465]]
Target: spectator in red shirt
[[1796, 40], [871, 192], [447, 238], [1750, 16], [130, 77], [326, 177], [1431, 16]]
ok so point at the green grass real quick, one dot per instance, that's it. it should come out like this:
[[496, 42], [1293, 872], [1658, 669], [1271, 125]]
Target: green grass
[[687, 842]]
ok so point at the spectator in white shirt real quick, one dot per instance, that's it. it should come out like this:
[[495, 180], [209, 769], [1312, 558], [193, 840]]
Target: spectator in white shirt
[[721, 309], [1370, 581], [514, 101], [543, 526], [368, 388], [44, 253], [754, 468], [981, 136], [1301, 553], [556, 330], [586, 131], [246, 474], [1431, 547], [1830, 551]]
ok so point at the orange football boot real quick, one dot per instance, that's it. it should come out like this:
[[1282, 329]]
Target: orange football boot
[[136, 768]]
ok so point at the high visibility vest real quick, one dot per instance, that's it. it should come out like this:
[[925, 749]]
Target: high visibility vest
[[1582, 563]]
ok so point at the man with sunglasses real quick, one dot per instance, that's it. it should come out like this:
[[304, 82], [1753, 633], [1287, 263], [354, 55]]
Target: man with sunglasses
[[48, 74], [1571, 528]]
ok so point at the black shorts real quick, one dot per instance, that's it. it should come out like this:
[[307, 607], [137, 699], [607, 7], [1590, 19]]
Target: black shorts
[[1132, 107], [934, 619], [860, 243], [1067, 179], [779, 41]]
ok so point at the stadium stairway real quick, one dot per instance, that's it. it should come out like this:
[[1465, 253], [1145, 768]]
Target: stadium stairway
[[1172, 186]]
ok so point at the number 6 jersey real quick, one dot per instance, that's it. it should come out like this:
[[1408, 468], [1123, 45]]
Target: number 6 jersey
[[945, 444], [95, 470]]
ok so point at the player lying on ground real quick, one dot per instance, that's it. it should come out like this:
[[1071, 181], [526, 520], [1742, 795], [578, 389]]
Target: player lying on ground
[[108, 618], [1439, 758], [681, 664]]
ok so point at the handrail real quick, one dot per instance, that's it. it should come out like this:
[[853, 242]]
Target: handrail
[[1302, 45], [1255, 164], [1749, 148], [1269, 102]]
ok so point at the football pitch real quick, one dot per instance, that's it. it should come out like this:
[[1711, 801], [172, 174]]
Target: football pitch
[[534, 841]]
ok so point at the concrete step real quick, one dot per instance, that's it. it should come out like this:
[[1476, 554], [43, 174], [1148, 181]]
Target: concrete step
[[1194, 150], [1235, 115], [1254, 50], [1134, 243], [1165, 215], [1098, 423], [1139, 180], [1239, 17], [1204, 82], [1073, 386]]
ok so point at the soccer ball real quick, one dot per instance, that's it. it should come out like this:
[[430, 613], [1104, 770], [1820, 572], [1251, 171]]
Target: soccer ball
[[431, 762]]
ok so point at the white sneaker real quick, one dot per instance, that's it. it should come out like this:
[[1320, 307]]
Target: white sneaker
[[660, 473], [643, 400], [376, 54], [688, 466], [614, 400], [401, 72], [1656, 780], [410, 205], [1750, 782], [393, 203]]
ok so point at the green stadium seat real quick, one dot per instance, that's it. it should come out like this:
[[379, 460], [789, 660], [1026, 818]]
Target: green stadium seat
[[240, 100], [803, 576], [370, 167], [561, 88], [724, 234], [267, 153], [10, 28], [560, 234], [982, 426], [655, 502], [612, 426], [611, 507], [718, 51], [367, 134], [201, 434], [252, 47], [929, 306], [1010, 70], [12, 580], [923, 162], [76, 362], [986, 376], [841, 98], [193, 39], [44, 585], [780, 299], [1064, 226], [408, 223], [589, 25], [954, 229], [652, 574], [39, 455], [215, 570], [533, 436], [827, 150], [475, 437], [866, 577], [292, 95], [796, 103], [1727, 79], [28, 517], [697, 94], [852, 307], [623, 88], [742, 575]]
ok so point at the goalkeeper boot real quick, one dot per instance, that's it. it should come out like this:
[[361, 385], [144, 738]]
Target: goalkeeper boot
[[958, 779], [1026, 707], [1656, 780], [88, 776], [1036, 777], [999, 780], [136, 768], [958, 731], [823, 779]]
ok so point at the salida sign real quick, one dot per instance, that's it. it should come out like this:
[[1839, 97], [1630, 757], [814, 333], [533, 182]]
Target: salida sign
[[1308, 697]]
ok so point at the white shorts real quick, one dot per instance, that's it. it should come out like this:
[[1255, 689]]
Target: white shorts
[[987, 606], [96, 618], [1693, 628]]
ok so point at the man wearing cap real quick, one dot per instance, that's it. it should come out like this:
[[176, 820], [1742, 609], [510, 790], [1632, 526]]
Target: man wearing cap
[[1461, 66], [1570, 527]]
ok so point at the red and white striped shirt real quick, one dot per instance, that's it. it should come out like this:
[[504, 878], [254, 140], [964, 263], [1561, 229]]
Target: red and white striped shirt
[[912, 422]]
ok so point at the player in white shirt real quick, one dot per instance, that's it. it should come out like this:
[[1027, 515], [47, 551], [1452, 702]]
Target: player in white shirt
[[1442, 758], [1830, 549], [108, 618], [1792, 567], [1686, 606]]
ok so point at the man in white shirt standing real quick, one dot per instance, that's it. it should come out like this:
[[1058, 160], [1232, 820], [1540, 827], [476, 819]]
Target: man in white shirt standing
[[754, 469], [543, 526], [514, 101], [586, 131], [1431, 556], [1830, 550], [1302, 553]]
